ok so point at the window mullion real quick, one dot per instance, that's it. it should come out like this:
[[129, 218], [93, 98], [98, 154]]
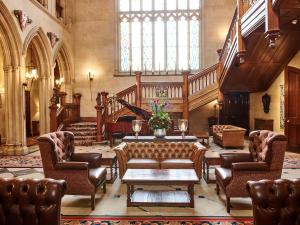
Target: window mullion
[[188, 43], [177, 47], [165, 36], [142, 45]]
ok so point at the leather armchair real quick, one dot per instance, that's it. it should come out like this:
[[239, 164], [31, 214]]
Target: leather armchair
[[81, 171], [31, 201], [264, 161], [275, 202]]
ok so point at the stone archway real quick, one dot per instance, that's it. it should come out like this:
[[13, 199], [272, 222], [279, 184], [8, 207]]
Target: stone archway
[[64, 61], [38, 39], [11, 45]]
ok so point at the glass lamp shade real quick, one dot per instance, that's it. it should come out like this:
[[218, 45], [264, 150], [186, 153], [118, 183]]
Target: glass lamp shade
[[136, 126], [183, 126]]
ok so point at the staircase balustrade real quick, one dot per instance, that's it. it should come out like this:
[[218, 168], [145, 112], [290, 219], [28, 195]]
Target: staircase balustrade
[[61, 113]]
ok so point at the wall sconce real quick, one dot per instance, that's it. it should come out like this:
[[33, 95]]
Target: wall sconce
[[2, 91], [91, 78], [59, 82]]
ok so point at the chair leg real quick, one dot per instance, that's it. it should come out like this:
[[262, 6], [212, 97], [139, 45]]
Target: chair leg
[[228, 204], [93, 201], [218, 189], [104, 187]]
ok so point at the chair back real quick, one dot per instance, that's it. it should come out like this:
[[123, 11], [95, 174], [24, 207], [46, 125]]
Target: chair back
[[56, 147], [275, 202], [268, 146], [31, 201]]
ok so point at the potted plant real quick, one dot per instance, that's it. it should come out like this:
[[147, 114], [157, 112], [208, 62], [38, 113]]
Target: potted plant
[[160, 120]]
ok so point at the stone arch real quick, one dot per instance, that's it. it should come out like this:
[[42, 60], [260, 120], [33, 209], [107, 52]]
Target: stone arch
[[11, 44], [43, 51]]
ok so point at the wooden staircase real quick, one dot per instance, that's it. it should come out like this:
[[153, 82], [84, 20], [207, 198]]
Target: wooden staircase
[[260, 42]]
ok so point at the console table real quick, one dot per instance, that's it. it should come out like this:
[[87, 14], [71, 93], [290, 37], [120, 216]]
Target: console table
[[165, 139]]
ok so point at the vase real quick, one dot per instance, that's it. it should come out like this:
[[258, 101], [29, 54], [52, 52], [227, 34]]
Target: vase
[[160, 133]]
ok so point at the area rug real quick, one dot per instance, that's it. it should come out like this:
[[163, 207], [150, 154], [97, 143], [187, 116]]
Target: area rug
[[141, 220]]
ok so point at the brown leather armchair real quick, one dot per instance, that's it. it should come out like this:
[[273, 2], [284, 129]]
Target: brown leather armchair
[[275, 202], [30, 201], [264, 161], [81, 171]]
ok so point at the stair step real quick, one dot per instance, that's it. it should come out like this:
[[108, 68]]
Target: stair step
[[92, 138], [83, 142], [84, 133], [83, 124]]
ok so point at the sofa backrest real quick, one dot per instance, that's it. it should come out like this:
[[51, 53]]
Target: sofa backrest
[[56, 147], [30, 201], [159, 150], [220, 128], [275, 202], [268, 146]]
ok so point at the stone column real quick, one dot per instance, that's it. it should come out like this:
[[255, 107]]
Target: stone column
[[43, 103], [14, 113]]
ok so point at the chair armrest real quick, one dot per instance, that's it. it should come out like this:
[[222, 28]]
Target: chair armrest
[[94, 159], [197, 157], [121, 153], [250, 166], [72, 166], [227, 159]]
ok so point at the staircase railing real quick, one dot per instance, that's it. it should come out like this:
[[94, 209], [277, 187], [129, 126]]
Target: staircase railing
[[171, 90], [62, 113], [203, 79]]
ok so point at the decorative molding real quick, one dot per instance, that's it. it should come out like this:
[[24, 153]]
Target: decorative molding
[[53, 38], [23, 19]]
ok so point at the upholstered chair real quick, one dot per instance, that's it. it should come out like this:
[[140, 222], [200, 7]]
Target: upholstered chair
[[81, 171], [275, 202], [30, 201], [264, 161]]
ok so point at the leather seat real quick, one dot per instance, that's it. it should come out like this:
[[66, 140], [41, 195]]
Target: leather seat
[[143, 164], [97, 175], [177, 164]]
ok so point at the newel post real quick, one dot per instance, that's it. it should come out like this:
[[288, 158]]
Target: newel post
[[53, 111], [272, 30], [138, 75], [99, 107], [241, 52], [76, 99], [185, 94]]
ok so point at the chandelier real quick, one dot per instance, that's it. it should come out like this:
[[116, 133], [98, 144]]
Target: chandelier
[[31, 72]]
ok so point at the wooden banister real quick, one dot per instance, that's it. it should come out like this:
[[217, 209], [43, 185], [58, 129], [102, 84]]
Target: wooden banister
[[67, 112]]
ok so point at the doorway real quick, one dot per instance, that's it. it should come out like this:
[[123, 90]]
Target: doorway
[[292, 108]]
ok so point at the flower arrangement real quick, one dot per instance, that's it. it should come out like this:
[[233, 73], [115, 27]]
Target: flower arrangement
[[159, 119]]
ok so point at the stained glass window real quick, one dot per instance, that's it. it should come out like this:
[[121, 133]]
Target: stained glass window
[[159, 36]]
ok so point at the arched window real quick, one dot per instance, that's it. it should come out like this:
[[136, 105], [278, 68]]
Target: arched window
[[159, 36]]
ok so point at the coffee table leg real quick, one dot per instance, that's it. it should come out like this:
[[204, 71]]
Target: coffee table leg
[[191, 193], [128, 195]]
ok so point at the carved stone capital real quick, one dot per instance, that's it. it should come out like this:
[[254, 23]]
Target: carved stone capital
[[53, 38], [23, 19]]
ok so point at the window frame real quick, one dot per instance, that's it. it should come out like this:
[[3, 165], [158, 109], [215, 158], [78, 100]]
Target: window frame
[[120, 73]]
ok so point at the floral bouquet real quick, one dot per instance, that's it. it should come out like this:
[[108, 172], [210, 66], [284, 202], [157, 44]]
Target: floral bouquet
[[159, 119]]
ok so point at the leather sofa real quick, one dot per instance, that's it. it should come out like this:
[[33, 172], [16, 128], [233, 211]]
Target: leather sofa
[[228, 135], [264, 161], [275, 202], [160, 155], [30, 201], [81, 171]]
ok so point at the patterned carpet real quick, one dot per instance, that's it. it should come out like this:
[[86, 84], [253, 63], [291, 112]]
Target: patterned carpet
[[292, 161], [97, 220]]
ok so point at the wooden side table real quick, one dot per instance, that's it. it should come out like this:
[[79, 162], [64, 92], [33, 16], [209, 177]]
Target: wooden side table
[[109, 159], [204, 137], [210, 158]]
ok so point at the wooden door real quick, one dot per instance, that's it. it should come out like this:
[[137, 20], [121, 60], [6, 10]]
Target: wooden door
[[292, 107]]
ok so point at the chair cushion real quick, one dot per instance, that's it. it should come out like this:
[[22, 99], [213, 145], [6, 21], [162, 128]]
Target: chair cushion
[[143, 164], [224, 175], [97, 175], [177, 164]]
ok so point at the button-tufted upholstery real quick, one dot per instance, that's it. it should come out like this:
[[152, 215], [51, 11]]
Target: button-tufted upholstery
[[228, 135], [160, 155], [81, 171], [264, 161], [275, 202], [30, 202]]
